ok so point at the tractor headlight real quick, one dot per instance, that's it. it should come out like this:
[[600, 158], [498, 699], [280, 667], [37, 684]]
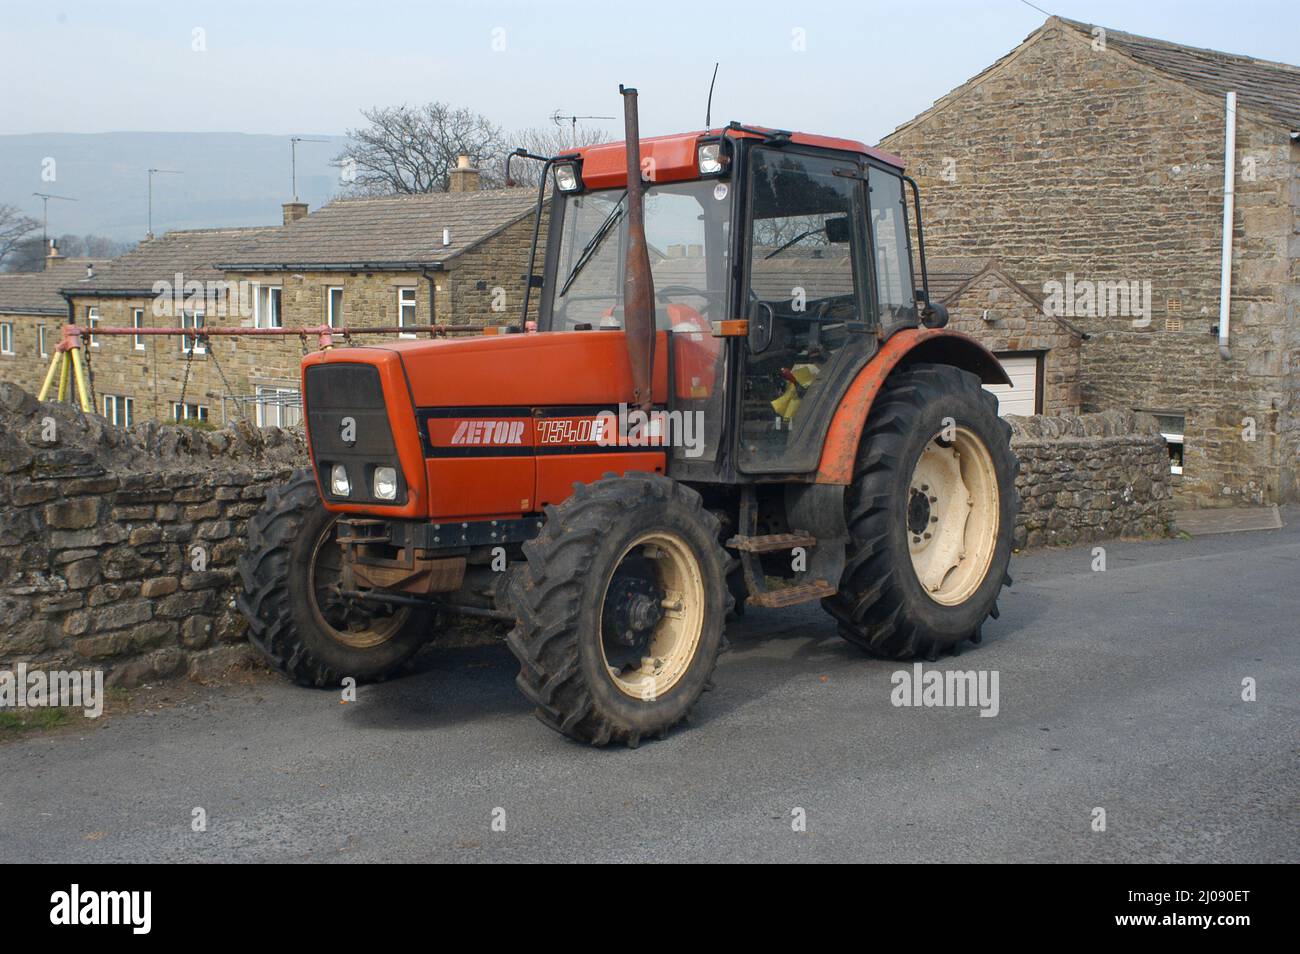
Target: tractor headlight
[[710, 158], [386, 483], [566, 177], [340, 486]]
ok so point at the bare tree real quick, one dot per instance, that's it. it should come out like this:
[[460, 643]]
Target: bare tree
[[408, 150], [14, 227], [543, 141]]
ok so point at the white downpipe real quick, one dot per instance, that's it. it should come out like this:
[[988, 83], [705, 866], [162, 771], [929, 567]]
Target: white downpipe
[[1229, 178]]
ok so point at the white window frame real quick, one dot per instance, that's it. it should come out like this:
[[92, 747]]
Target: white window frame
[[200, 411], [195, 320], [402, 305], [6, 337], [119, 410], [92, 319], [40, 341], [1172, 437], [265, 411], [331, 319], [137, 321], [263, 315]]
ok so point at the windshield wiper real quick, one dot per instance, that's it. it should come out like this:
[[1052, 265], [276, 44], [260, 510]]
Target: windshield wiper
[[797, 238], [593, 243]]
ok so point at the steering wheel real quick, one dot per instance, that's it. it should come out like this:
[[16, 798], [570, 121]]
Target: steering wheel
[[663, 294]]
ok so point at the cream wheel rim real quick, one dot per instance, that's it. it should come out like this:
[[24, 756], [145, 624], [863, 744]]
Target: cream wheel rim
[[952, 516], [670, 646]]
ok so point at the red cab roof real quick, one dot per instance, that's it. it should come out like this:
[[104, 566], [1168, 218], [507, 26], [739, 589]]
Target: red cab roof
[[604, 166]]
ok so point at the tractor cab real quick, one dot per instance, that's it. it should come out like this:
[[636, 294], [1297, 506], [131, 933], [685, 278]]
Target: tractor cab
[[779, 262]]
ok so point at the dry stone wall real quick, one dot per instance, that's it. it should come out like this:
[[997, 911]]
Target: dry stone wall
[[1089, 478], [118, 546]]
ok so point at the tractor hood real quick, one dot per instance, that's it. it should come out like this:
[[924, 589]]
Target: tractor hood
[[525, 370], [464, 420]]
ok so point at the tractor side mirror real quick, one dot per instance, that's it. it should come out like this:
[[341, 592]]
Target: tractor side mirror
[[837, 230], [762, 325]]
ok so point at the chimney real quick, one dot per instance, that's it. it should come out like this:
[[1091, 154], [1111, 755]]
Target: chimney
[[293, 211], [464, 178], [53, 250], [90, 269]]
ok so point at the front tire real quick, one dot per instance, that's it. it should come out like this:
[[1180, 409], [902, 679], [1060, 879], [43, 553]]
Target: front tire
[[296, 619], [620, 609], [931, 512]]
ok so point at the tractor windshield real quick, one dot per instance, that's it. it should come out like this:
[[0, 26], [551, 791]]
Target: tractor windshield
[[687, 226]]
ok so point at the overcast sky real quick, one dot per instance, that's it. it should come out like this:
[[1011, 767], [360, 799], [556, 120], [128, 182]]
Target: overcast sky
[[309, 67]]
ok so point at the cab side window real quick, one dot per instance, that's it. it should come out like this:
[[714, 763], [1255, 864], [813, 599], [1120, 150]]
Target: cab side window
[[894, 290]]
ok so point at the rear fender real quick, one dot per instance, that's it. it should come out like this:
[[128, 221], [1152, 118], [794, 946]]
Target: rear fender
[[930, 345]]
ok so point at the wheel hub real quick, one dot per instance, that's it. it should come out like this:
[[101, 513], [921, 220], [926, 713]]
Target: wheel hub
[[918, 513], [633, 608]]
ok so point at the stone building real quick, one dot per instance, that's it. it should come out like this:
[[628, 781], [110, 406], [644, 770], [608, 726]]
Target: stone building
[[32, 316], [168, 281], [1090, 164], [1040, 352], [447, 257]]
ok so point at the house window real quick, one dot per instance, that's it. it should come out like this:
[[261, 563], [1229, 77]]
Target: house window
[[92, 320], [267, 307], [278, 407], [137, 321], [334, 306], [6, 338], [189, 343], [189, 412], [1172, 428], [406, 310], [40, 341], [119, 410]]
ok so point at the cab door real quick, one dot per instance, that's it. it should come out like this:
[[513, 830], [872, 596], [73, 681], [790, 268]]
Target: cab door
[[812, 320]]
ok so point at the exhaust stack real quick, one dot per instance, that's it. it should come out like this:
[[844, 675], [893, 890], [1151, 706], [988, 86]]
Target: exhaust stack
[[638, 284]]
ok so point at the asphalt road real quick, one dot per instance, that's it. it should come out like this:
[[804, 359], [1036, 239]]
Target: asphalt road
[[1118, 689]]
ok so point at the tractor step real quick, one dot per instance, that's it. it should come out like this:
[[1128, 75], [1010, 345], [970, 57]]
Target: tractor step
[[792, 595], [772, 542]]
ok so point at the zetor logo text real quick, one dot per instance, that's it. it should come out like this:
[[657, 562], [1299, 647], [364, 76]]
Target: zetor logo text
[[489, 432], [77, 907]]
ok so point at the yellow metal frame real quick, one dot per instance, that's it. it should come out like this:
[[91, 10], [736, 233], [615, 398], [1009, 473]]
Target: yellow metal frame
[[67, 364]]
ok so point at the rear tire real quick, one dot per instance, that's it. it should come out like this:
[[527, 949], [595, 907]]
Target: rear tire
[[600, 655], [299, 627], [926, 563]]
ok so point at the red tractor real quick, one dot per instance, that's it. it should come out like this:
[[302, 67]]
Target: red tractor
[[734, 392]]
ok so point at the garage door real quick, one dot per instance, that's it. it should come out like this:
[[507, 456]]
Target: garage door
[[1022, 396]]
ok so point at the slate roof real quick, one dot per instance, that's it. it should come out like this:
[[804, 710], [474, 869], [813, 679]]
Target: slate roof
[[950, 277], [1267, 88], [192, 252], [37, 293], [401, 231]]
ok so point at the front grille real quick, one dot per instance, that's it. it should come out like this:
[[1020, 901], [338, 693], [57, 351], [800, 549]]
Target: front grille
[[347, 399]]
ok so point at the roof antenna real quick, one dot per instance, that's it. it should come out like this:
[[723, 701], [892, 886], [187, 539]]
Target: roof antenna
[[708, 109]]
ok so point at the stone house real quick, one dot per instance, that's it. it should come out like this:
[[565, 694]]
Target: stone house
[[168, 281], [32, 316], [1090, 164], [397, 260], [1040, 351]]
